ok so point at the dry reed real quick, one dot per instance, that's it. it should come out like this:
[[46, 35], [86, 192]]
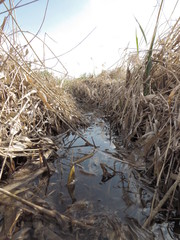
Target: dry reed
[[33, 106], [148, 121]]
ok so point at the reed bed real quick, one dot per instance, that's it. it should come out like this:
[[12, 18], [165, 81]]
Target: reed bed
[[142, 106], [145, 111], [33, 106]]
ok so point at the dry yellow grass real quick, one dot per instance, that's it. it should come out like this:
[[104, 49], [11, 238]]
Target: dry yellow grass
[[151, 122], [33, 107]]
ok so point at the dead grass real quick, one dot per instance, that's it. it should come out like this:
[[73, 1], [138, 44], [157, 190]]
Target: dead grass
[[151, 122], [33, 106]]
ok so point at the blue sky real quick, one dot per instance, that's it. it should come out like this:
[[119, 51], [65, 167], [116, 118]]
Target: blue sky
[[31, 16], [68, 22]]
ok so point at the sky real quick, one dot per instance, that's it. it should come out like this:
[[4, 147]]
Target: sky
[[90, 35]]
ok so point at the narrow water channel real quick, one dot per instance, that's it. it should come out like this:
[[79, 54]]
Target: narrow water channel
[[119, 192], [105, 195], [103, 180]]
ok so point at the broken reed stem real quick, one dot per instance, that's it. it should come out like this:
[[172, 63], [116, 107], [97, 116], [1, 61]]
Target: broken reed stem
[[5, 159], [80, 160], [49, 213], [3, 165], [166, 196]]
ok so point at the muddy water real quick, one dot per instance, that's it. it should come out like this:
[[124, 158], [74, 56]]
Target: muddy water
[[103, 180], [118, 192], [107, 193]]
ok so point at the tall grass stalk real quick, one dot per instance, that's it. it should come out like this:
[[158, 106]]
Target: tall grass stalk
[[149, 55]]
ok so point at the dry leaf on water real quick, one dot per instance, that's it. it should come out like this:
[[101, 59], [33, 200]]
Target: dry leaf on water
[[71, 177]]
